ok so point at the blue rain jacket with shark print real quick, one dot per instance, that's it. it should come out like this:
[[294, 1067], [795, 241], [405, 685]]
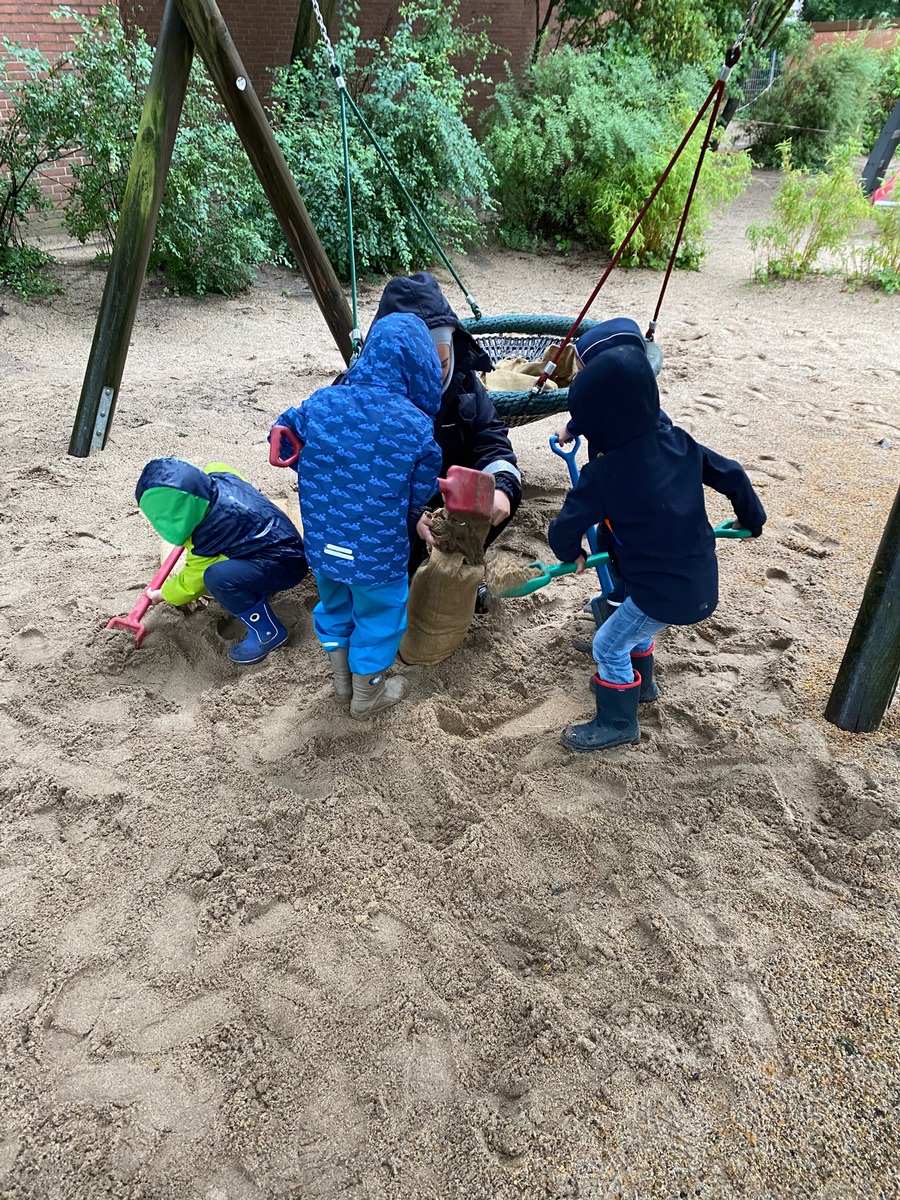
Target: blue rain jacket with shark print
[[369, 463]]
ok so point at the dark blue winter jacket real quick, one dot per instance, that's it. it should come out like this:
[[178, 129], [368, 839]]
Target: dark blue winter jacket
[[607, 335], [645, 491], [468, 429], [369, 463], [219, 512]]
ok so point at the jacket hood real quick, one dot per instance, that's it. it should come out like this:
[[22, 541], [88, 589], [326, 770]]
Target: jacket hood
[[615, 398], [174, 497], [399, 357], [421, 295], [606, 335]]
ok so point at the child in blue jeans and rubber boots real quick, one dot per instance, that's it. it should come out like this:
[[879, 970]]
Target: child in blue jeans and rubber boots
[[367, 468], [241, 548], [644, 491]]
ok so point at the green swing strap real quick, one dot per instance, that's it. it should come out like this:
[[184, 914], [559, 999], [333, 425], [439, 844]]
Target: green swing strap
[[347, 99]]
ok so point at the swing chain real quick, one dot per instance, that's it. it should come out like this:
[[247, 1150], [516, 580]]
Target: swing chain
[[329, 49], [346, 98]]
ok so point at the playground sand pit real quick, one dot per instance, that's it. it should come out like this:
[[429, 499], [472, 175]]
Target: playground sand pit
[[253, 949]]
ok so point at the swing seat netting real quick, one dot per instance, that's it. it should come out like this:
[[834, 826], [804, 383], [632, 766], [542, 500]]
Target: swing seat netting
[[522, 335]]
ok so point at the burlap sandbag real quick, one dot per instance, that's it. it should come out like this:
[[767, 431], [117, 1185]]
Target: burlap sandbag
[[442, 592], [500, 379], [504, 379]]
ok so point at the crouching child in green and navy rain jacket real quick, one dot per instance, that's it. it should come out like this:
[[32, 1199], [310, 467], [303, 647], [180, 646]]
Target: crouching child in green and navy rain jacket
[[241, 548]]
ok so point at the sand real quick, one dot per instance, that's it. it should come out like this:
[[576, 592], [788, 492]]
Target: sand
[[253, 949]]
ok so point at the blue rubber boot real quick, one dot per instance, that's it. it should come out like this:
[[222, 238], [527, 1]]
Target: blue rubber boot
[[616, 721], [264, 633]]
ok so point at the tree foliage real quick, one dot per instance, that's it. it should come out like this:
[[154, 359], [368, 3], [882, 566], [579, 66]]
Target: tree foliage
[[579, 143], [821, 100], [415, 99]]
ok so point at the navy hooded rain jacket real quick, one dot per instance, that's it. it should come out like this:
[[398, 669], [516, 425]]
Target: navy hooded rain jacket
[[645, 491], [468, 429]]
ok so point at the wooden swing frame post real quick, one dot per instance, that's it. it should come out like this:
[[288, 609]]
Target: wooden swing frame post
[[870, 670], [134, 234], [188, 25]]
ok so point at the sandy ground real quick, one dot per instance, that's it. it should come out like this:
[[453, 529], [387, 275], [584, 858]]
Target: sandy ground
[[253, 949]]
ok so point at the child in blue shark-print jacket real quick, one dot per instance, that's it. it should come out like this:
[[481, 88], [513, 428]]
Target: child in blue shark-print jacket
[[368, 467]]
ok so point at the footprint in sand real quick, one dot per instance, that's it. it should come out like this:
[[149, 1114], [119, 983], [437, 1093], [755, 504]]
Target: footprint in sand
[[776, 468], [29, 645], [781, 584]]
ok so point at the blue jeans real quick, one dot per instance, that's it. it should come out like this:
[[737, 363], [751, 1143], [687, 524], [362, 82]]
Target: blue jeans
[[628, 631], [370, 621], [240, 584]]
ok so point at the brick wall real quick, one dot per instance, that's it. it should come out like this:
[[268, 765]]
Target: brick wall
[[31, 23], [263, 30], [877, 37]]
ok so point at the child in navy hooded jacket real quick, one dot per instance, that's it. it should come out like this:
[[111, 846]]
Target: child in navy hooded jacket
[[644, 489], [368, 467], [467, 427]]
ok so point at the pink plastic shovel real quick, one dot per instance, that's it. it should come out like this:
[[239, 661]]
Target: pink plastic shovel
[[468, 493], [133, 620]]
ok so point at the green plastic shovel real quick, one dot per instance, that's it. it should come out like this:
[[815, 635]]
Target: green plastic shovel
[[551, 571]]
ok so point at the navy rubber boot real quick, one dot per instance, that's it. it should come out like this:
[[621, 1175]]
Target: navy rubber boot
[[264, 633], [616, 721], [602, 609], [642, 666]]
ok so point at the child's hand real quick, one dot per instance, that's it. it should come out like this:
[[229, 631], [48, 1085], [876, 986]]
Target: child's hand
[[579, 565], [500, 511], [563, 435], [155, 595], [423, 529]]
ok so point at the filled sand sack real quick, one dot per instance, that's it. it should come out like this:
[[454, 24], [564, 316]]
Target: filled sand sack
[[518, 374], [443, 590]]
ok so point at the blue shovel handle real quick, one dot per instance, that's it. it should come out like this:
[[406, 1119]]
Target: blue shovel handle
[[570, 457]]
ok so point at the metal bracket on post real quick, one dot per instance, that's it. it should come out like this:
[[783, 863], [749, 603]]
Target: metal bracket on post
[[107, 395]]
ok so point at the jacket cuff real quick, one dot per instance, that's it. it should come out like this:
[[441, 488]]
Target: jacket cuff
[[509, 485]]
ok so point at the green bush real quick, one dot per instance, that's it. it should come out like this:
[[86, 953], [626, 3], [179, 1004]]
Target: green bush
[[881, 262], [815, 222], [206, 240], [670, 32], [37, 130], [579, 144], [416, 102], [822, 99], [887, 93]]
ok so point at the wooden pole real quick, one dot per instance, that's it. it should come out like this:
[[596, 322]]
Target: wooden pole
[[870, 669], [213, 42], [134, 234]]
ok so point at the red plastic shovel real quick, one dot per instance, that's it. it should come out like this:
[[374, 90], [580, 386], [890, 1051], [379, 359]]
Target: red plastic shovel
[[133, 620], [468, 493]]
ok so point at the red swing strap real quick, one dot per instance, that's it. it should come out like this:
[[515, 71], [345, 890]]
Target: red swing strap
[[712, 103]]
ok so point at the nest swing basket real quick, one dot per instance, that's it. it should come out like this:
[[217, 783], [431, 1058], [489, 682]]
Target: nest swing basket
[[522, 335]]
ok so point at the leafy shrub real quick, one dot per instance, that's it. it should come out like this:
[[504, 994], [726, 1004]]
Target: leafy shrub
[[887, 93], [815, 219], [205, 236], [37, 130], [670, 32], [416, 103], [881, 262], [821, 99], [579, 144]]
